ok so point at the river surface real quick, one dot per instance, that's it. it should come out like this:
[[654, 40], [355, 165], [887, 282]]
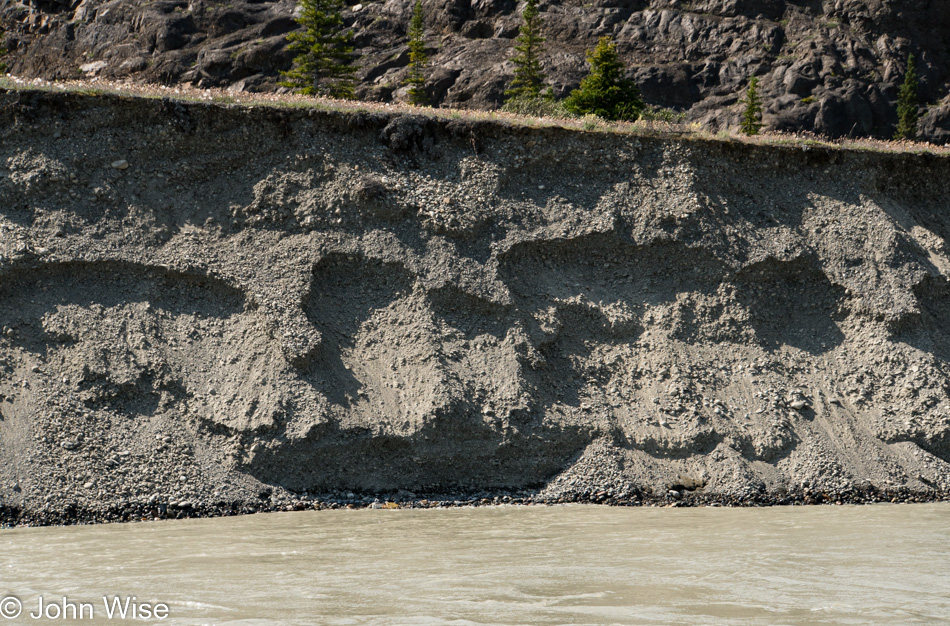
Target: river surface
[[503, 565]]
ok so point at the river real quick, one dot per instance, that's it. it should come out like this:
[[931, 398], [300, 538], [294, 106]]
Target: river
[[495, 565]]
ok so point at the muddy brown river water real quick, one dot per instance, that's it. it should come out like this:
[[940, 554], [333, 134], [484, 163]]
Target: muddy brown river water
[[502, 565]]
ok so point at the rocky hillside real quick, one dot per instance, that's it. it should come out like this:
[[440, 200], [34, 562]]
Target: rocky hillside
[[379, 304], [829, 66]]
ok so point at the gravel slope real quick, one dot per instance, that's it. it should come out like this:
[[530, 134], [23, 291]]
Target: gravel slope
[[218, 306]]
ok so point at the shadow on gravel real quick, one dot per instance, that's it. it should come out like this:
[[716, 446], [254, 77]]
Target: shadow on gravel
[[345, 292], [108, 325], [455, 451], [576, 297], [26, 295], [929, 331], [459, 416], [792, 303]]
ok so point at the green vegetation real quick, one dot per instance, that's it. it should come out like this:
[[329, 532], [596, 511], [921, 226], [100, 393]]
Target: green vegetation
[[605, 92], [417, 57], [660, 114], [541, 106], [591, 122], [529, 77], [752, 114], [323, 65], [908, 103], [3, 53], [525, 96]]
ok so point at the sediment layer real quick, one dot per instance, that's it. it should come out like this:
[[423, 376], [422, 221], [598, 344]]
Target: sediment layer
[[205, 305]]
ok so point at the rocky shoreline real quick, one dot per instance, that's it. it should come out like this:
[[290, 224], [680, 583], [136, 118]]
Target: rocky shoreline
[[152, 512]]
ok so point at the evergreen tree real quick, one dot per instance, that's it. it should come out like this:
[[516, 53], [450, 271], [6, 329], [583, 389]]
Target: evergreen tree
[[752, 115], [417, 57], [323, 65], [605, 92], [529, 78], [908, 103], [3, 53]]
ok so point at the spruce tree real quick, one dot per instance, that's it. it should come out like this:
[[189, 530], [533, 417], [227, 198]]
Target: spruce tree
[[323, 65], [3, 53], [752, 114], [529, 77], [417, 57], [605, 92], [908, 103]]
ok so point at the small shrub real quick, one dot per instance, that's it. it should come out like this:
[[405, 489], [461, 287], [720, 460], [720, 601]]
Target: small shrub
[[591, 122], [908, 103], [3, 53], [660, 114], [529, 78], [417, 57], [752, 114], [538, 106], [323, 65], [605, 92]]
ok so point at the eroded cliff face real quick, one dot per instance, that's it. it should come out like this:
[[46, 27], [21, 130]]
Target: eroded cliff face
[[829, 66], [200, 302]]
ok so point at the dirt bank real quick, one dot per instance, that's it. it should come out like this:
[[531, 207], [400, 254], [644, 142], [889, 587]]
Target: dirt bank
[[208, 304]]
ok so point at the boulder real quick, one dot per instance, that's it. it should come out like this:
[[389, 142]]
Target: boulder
[[934, 124]]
